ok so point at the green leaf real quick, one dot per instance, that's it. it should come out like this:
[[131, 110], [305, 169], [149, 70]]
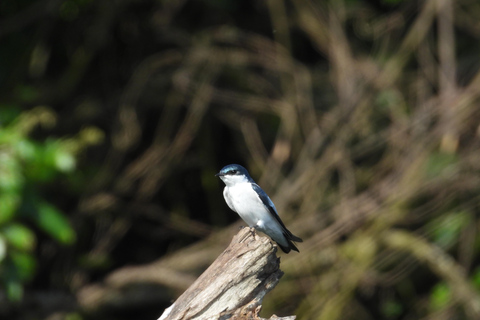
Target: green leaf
[[8, 114], [391, 308], [9, 203], [476, 278], [73, 316], [446, 229], [11, 177], [14, 290], [3, 248], [53, 222], [57, 156], [26, 93], [438, 162], [24, 265], [440, 296], [91, 136], [64, 161], [95, 262], [19, 236], [25, 149], [41, 167]]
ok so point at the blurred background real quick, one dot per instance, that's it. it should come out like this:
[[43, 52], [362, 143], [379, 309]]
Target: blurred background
[[361, 120]]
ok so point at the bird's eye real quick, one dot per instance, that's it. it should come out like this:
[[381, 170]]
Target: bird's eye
[[233, 171]]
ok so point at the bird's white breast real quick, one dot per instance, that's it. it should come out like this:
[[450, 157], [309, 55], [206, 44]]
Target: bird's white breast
[[242, 199]]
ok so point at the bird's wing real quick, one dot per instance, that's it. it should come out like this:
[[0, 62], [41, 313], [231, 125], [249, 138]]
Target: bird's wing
[[269, 204], [273, 211]]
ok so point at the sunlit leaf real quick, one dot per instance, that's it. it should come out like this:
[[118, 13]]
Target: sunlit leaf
[[11, 177], [9, 203], [25, 149], [57, 156], [44, 116], [53, 222], [440, 296], [19, 236], [91, 136], [64, 161], [41, 166], [3, 248]]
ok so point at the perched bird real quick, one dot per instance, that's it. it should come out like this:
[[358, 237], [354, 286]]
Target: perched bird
[[254, 206]]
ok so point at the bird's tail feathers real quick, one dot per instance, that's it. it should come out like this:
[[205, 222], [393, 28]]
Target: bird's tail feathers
[[284, 249], [295, 238], [291, 246], [291, 237]]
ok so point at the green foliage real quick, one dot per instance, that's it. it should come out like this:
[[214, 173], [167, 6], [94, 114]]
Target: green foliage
[[53, 222], [440, 297], [26, 166], [391, 308], [446, 229], [476, 278], [439, 163], [19, 237]]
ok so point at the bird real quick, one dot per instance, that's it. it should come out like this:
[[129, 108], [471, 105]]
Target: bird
[[245, 197]]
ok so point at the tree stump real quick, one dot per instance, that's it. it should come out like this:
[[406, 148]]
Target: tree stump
[[234, 285]]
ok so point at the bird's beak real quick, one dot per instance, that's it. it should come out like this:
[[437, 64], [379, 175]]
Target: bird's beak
[[219, 174]]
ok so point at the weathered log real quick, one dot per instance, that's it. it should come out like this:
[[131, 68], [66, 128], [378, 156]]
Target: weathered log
[[234, 285]]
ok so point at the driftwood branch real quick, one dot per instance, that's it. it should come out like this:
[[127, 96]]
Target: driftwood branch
[[233, 287]]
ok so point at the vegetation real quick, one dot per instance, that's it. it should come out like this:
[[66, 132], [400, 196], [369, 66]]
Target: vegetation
[[359, 118], [26, 167]]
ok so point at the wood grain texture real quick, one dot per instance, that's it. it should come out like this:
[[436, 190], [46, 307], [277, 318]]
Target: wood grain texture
[[234, 285]]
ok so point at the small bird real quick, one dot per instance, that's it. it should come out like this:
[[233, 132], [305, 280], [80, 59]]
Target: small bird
[[254, 206]]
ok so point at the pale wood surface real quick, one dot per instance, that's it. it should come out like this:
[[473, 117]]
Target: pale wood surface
[[234, 285]]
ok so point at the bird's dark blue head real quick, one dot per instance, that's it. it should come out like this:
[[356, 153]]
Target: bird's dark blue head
[[234, 173]]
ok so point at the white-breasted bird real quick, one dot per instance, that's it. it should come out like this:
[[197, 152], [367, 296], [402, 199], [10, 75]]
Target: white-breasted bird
[[254, 206]]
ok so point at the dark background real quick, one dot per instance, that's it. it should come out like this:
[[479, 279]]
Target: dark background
[[359, 118]]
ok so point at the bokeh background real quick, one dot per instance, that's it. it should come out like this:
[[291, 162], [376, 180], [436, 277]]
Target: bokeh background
[[359, 118]]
